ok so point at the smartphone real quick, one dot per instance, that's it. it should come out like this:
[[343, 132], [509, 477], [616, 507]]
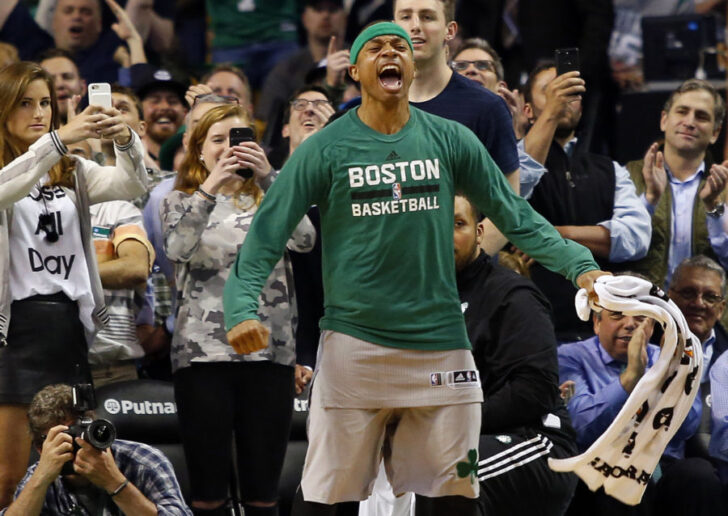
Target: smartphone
[[239, 135], [99, 94], [567, 60]]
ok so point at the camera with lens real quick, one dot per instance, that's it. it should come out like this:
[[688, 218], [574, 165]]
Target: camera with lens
[[99, 433]]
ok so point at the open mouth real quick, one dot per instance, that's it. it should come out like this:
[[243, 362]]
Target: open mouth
[[309, 124], [417, 42], [76, 30], [390, 78]]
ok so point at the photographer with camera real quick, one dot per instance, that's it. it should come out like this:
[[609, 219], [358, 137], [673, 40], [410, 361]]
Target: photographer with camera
[[83, 470]]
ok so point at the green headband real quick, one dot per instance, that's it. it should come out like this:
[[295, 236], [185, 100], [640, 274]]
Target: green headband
[[378, 29]]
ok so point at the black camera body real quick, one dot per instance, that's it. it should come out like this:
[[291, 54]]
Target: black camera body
[[99, 433]]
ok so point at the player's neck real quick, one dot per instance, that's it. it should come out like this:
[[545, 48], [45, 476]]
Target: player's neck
[[385, 118], [682, 164], [431, 77]]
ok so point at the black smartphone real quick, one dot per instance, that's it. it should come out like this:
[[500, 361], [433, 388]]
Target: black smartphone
[[567, 60], [239, 135]]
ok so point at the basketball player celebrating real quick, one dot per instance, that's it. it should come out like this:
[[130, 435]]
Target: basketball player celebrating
[[395, 377]]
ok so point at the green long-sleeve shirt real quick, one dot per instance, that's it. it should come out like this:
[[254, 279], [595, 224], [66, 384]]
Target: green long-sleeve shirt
[[387, 219]]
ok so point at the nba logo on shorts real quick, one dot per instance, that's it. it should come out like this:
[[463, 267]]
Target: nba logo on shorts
[[435, 379], [396, 191]]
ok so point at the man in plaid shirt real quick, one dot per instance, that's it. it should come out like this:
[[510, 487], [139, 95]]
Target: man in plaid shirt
[[129, 478]]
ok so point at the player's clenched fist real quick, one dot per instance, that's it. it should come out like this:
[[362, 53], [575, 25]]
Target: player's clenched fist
[[248, 336]]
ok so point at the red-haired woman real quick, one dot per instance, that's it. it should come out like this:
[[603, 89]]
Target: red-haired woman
[[220, 393]]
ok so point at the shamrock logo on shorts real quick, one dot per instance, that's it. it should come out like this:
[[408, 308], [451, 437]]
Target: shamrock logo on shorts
[[469, 468]]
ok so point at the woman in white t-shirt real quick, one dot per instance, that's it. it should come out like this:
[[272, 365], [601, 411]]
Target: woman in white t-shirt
[[51, 301]]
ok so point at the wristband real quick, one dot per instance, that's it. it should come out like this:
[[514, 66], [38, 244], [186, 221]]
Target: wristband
[[120, 488], [206, 195]]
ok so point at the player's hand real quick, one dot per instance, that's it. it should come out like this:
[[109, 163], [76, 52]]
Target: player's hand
[[337, 63], [653, 172], [57, 450], [586, 281], [303, 376], [98, 466], [714, 185], [248, 336]]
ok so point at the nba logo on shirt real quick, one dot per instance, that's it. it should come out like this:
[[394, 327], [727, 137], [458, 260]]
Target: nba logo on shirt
[[396, 191], [435, 379]]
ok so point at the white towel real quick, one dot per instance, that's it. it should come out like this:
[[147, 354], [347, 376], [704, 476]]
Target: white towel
[[625, 456]]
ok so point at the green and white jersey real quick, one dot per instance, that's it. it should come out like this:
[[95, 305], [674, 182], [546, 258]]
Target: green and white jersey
[[386, 204]]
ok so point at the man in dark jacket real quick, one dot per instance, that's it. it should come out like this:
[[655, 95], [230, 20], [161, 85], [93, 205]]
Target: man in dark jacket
[[524, 421]]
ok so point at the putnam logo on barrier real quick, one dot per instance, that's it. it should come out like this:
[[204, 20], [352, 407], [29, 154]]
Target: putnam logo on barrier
[[141, 408]]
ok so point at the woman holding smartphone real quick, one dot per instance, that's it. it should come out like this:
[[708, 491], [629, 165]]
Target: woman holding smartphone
[[51, 300], [220, 393]]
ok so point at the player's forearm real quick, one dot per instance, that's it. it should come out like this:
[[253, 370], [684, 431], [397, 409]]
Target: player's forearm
[[594, 238], [31, 498]]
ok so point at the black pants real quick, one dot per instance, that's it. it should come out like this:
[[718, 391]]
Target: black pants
[[515, 478], [252, 399]]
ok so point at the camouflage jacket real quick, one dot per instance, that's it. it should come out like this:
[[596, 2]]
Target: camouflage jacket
[[202, 238]]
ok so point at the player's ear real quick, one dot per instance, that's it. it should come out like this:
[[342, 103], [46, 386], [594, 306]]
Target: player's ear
[[354, 72]]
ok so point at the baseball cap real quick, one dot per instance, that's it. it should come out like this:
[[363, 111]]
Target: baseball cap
[[148, 78]]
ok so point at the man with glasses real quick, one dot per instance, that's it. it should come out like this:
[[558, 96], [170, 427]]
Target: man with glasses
[[476, 60], [698, 289], [308, 110], [605, 369]]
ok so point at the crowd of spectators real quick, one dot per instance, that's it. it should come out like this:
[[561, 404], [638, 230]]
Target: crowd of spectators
[[153, 214]]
